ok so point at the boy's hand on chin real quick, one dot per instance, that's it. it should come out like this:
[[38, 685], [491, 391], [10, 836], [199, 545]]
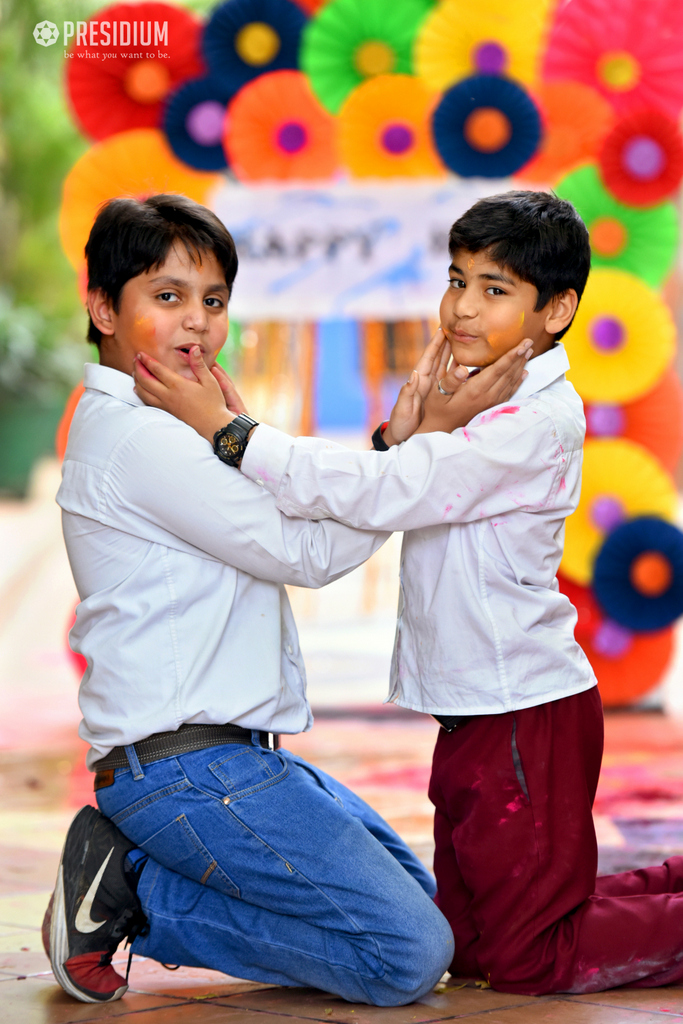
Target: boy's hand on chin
[[208, 403], [494, 384], [408, 411]]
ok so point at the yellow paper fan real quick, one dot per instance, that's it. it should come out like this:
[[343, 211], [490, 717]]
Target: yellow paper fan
[[620, 480], [384, 129], [622, 338], [138, 163], [459, 39]]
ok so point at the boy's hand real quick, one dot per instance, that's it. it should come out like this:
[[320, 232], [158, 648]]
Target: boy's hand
[[408, 411], [207, 404], [494, 384]]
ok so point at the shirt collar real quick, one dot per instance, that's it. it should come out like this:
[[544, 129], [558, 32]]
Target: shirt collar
[[543, 370], [111, 382]]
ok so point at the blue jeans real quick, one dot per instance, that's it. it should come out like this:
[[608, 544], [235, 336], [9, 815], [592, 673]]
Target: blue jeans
[[264, 867]]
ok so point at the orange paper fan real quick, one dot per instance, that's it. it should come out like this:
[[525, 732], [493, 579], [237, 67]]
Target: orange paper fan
[[277, 130], [655, 420], [575, 120], [384, 129], [138, 163]]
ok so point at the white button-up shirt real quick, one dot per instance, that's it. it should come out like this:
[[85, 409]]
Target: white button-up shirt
[[180, 563], [482, 627]]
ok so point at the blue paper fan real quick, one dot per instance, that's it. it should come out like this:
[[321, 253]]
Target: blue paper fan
[[486, 126], [247, 38], [638, 576], [193, 123]]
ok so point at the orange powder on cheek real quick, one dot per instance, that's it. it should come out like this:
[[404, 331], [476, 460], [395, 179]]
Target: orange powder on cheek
[[502, 341], [143, 331]]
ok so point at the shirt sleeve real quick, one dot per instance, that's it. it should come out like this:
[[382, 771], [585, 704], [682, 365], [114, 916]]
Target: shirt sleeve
[[163, 482], [510, 460]]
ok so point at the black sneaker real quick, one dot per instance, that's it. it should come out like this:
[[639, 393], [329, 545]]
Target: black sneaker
[[94, 906]]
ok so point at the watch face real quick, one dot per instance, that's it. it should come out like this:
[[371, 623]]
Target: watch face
[[230, 445]]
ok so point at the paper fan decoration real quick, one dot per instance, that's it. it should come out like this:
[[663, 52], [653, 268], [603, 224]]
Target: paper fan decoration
[[460, 39], [276, 130], [575, 121], [642, 158], [62, 435], [194, 124], [643, 242], [630, 51], [126, 91], [622, 338], [384, 129], [351, 40], [247, 38], [137, 163], [655, 420], [620, 480], [486, 127], [626, 664], [638, 577]]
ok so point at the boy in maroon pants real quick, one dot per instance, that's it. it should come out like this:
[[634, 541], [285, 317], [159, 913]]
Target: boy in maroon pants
[[485, 639]]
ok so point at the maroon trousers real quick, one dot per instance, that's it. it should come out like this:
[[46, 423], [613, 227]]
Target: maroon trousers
[[516, 860]]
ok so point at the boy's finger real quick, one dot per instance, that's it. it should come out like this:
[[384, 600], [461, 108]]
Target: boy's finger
[[431, 354], [197, 364], [154, 369], [227, 386]]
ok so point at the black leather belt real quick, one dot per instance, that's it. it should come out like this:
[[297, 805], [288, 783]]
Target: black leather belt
[[182, 741]]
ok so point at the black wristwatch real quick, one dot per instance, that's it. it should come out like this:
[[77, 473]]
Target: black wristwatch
[[229, 443]]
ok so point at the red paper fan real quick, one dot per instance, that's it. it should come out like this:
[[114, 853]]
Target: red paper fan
[[630, 51], [626, 664], [642, 158], [655, 420], [117, 81], [276, 129]]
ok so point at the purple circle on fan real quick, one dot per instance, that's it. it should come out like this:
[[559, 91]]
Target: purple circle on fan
[[292, 137], [606, 420], [612, 640], [607, 333], [490, 58], [204, 123], [397, 138], [607, 513], [643, 157]]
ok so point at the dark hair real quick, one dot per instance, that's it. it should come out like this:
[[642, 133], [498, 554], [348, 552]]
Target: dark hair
[[537, 236], [131, 236]]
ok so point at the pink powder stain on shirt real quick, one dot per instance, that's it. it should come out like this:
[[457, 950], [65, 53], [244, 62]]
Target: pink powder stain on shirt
[[563, 484], [465, 434], [446, 511], [509, 410]]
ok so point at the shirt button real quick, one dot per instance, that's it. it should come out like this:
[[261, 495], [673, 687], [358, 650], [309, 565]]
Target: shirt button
[[226, 800], [260, 482]]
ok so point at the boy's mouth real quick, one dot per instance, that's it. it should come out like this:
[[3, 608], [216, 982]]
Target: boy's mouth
[[463, 337]]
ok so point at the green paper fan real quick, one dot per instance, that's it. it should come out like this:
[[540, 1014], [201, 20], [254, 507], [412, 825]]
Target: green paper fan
[[642, 241], [348, 41]]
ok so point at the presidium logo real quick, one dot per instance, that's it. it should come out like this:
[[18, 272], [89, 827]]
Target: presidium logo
[[104, 33]]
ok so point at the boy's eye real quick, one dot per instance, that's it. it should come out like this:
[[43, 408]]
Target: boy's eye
[[215, 303], [496, 291], [456, 282], [167, 296]]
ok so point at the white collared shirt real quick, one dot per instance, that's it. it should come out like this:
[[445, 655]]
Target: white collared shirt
[[482, 627], [180, 564]]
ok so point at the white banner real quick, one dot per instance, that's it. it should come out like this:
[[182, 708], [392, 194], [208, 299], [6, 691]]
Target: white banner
[[366, 252]]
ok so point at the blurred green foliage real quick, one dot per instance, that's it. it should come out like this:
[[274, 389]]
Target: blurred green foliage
[[42, 322]]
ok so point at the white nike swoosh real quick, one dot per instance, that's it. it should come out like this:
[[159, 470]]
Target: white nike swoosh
[[84, 922]]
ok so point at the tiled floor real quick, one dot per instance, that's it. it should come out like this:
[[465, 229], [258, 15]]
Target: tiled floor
[[382, 752]]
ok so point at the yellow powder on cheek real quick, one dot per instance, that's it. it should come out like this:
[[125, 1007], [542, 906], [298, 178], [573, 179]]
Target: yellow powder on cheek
[[470, 263]]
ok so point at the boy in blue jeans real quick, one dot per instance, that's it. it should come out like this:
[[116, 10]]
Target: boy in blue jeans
[[231, 854], [484, 638]]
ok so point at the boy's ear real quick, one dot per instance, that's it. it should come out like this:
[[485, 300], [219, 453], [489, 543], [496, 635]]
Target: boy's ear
[[101, 310], [561, 309]]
